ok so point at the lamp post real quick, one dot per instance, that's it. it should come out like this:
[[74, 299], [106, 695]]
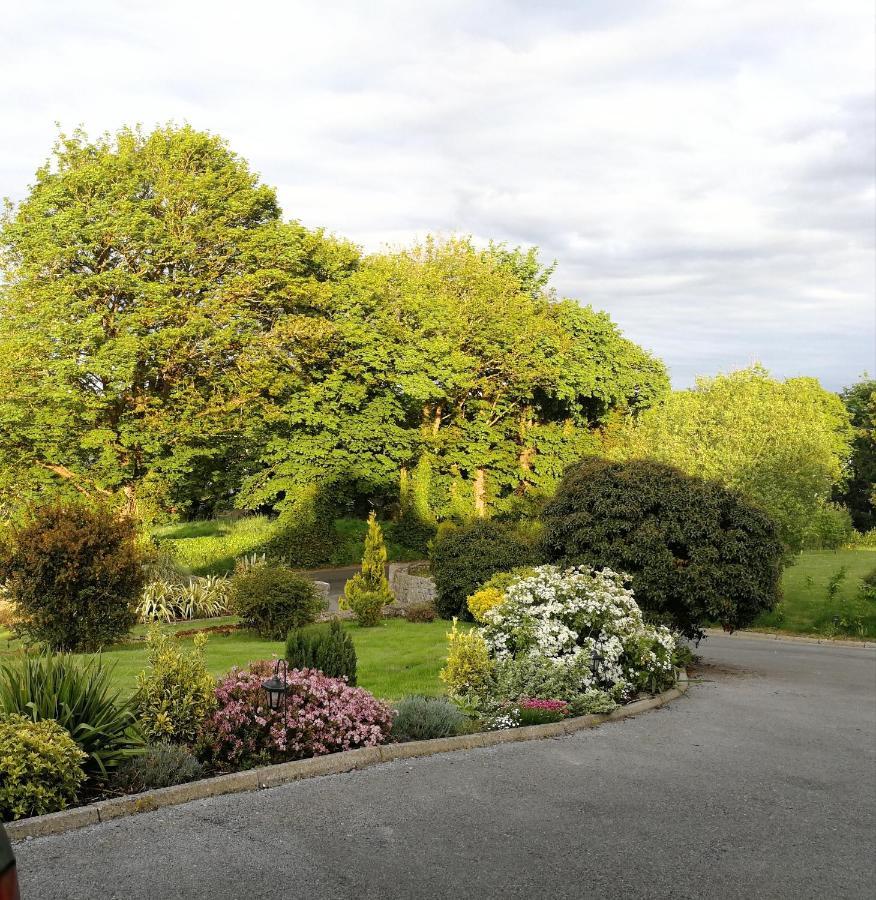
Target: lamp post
[[596, 659], [277, 688]]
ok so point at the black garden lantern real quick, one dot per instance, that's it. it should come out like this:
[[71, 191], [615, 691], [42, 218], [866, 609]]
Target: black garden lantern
[[277, 687], [596, 660]]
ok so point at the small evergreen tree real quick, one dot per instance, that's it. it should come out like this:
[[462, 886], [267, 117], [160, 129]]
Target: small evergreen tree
[[367, 592]]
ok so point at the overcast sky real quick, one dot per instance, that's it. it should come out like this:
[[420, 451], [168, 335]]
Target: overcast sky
[[702, 169]]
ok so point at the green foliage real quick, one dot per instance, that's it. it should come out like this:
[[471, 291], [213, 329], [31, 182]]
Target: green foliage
[[467, 557], [272, 599], [829, 529], [78, 694], [327, 647], [859, 491], [212, 546], [424, 718], [159, 766], [455, 364], [74, 573], [783, 445], [367, 605], [196, 598], [176, 693], [423, 611], [150, 285], [367, 592], [696, 551], [470, 673], [40, 767], [834, 582]]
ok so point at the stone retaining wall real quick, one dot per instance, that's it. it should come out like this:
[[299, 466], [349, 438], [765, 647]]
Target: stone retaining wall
[[410, 588]]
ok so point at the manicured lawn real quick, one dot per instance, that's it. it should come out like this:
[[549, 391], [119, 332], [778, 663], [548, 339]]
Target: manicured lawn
[[210, 546], [395, 659], [806, 607]]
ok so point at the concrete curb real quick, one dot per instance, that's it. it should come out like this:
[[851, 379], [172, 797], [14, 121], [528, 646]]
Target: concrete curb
[[332, 764], [792, 638]]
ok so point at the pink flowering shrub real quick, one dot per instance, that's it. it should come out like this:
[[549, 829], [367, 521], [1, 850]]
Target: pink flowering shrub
[[324, 715], [533, 711]]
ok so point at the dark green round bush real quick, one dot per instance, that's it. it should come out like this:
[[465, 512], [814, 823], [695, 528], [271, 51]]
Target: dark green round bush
[[272, 599], [696, 551], [423, 718], [327, 647], [465, 558], [74, 573]]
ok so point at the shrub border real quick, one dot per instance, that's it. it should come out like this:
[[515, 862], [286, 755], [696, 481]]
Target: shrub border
[[330, 764]]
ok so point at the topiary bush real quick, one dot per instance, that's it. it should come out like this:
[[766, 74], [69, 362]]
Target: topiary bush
[[74, 574], [696, 551], [176, 693], [465, 558], [78, 694], [40, 767], [159, 766], [326, 647], [423, 718], [272, 599]]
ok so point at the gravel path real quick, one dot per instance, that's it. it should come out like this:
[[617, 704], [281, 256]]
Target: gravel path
[[760, 782]]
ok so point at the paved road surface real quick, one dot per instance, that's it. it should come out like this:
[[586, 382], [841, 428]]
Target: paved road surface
[[760, 782]]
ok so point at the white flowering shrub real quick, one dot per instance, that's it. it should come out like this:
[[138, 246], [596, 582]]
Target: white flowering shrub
[[573, 634]]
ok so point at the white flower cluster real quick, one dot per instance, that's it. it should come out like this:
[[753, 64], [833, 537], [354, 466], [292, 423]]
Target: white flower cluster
[[583, 620]]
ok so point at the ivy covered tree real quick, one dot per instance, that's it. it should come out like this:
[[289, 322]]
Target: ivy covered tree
[[458, 362], [149, 282], [783, 444]]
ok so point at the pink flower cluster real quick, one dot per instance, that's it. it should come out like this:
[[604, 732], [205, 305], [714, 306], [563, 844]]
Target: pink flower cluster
[[554, 706], [323, 715]]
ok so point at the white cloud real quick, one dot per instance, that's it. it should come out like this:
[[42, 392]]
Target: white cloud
[[704, 170]]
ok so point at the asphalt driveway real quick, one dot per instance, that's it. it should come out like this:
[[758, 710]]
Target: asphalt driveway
[[760, 782]]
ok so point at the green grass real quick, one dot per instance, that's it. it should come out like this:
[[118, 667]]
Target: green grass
[[210, 546], [806, 607], [395, 658]]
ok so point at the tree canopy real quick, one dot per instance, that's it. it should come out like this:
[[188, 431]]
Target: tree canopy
[[783, 444], [458, 361], [149, 280], [859, 493]]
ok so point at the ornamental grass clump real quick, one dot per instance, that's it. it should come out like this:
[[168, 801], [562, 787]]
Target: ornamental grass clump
[[323, 715], [78, 694], [575, 635]]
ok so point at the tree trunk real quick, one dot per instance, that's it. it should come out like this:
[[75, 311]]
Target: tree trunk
[[480, 493]]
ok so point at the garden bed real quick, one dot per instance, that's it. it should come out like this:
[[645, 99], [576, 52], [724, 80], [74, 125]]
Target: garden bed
[[330, 764]]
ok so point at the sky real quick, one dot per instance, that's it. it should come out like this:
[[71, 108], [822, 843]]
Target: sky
[[704, 170]]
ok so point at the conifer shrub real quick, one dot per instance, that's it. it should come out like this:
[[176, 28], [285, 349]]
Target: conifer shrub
[[326, 647], [367, 592], [74, 574]]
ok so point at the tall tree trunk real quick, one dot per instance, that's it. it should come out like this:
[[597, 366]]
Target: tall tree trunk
[[130, 500], [480, 493]]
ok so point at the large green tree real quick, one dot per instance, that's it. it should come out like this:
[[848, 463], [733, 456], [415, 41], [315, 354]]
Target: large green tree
[[457, 361], [149, 285], [784, 444], [859, 493]]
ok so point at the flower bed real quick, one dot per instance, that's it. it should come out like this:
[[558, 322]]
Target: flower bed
[[546, 633]]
